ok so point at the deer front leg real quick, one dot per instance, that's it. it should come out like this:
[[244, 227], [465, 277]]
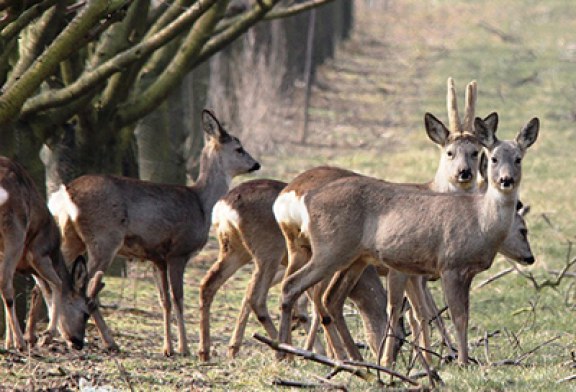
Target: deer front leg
[[36, 300], [176, 274], [456, 287], [161, 275]]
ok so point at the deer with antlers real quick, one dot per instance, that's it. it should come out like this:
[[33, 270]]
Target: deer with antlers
[[106, 215], [453, 236], [448, 157], [30, 243]]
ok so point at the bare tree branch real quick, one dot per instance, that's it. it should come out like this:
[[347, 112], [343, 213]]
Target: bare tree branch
[[92, 78], [13, 99]]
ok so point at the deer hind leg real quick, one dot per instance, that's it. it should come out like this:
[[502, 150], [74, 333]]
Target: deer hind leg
[[421, 314], [229, 261], [323, 263], [334, 299], [396, 286], [45, 270], [369, 296], [13, 251], [256, 296], [457, 293]]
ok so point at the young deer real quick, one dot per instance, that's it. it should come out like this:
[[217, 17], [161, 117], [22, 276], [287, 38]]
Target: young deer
[[453, 236], [30, 242], [457, 172], [106, 215]]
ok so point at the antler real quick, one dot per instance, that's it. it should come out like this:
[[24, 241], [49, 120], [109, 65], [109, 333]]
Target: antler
[[471, 95], [452, 106]]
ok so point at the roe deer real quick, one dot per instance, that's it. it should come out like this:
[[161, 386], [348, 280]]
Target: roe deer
[[30, 243], [246, 231], [106, 215], [457, 172], [453, 236]]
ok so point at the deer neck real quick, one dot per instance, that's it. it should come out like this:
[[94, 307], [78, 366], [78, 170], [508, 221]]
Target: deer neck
[[212, 183], [497, 211]]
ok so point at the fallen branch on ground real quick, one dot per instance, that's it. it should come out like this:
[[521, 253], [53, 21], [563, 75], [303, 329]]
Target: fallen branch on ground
[[352, 367]]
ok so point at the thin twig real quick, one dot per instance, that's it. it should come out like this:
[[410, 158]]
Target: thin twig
[[494, 277], [124, 374], [569, 378], [351, 367]]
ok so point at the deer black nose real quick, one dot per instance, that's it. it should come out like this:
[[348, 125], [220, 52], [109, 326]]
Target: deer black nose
[[507, 182], [465, 175], [77, 344], [529, 260], [255, 167]]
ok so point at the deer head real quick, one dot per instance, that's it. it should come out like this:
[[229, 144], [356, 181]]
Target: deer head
[[78, 303]]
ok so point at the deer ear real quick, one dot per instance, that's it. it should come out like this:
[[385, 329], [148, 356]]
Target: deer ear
[[528, 135], [79, 274], [436, 130], [491, 121], [484, 133], [483, 165], [212, 126]]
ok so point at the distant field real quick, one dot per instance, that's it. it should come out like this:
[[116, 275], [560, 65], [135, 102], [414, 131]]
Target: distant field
[[367, 115]]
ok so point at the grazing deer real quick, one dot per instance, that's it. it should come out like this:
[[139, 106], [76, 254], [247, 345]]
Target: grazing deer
[[453, 236], [457, 172], [106, 215], [30, 243]]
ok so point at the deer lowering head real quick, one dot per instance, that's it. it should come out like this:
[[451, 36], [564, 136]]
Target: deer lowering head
[[30, 242]]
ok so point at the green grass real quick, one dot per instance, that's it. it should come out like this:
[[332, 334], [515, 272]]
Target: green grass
[[381, 134]]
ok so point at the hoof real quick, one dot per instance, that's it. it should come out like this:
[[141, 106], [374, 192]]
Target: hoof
[[233, 352], [112, 349], [204, 355]]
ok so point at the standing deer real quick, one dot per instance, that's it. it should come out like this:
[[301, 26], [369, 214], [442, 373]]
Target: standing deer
[[457, 172], [247, 231], [30, 242], [106, 215], [453, 236]]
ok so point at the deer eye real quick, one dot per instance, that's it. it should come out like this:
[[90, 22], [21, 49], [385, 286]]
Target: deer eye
[[240, 150], [450, 154], [475, 154], [518, 161], [494, 160]]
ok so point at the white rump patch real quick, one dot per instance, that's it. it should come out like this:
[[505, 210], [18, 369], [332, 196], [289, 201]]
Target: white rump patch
[[223, 215], [62, 207], [3, 195], [290, 208]]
